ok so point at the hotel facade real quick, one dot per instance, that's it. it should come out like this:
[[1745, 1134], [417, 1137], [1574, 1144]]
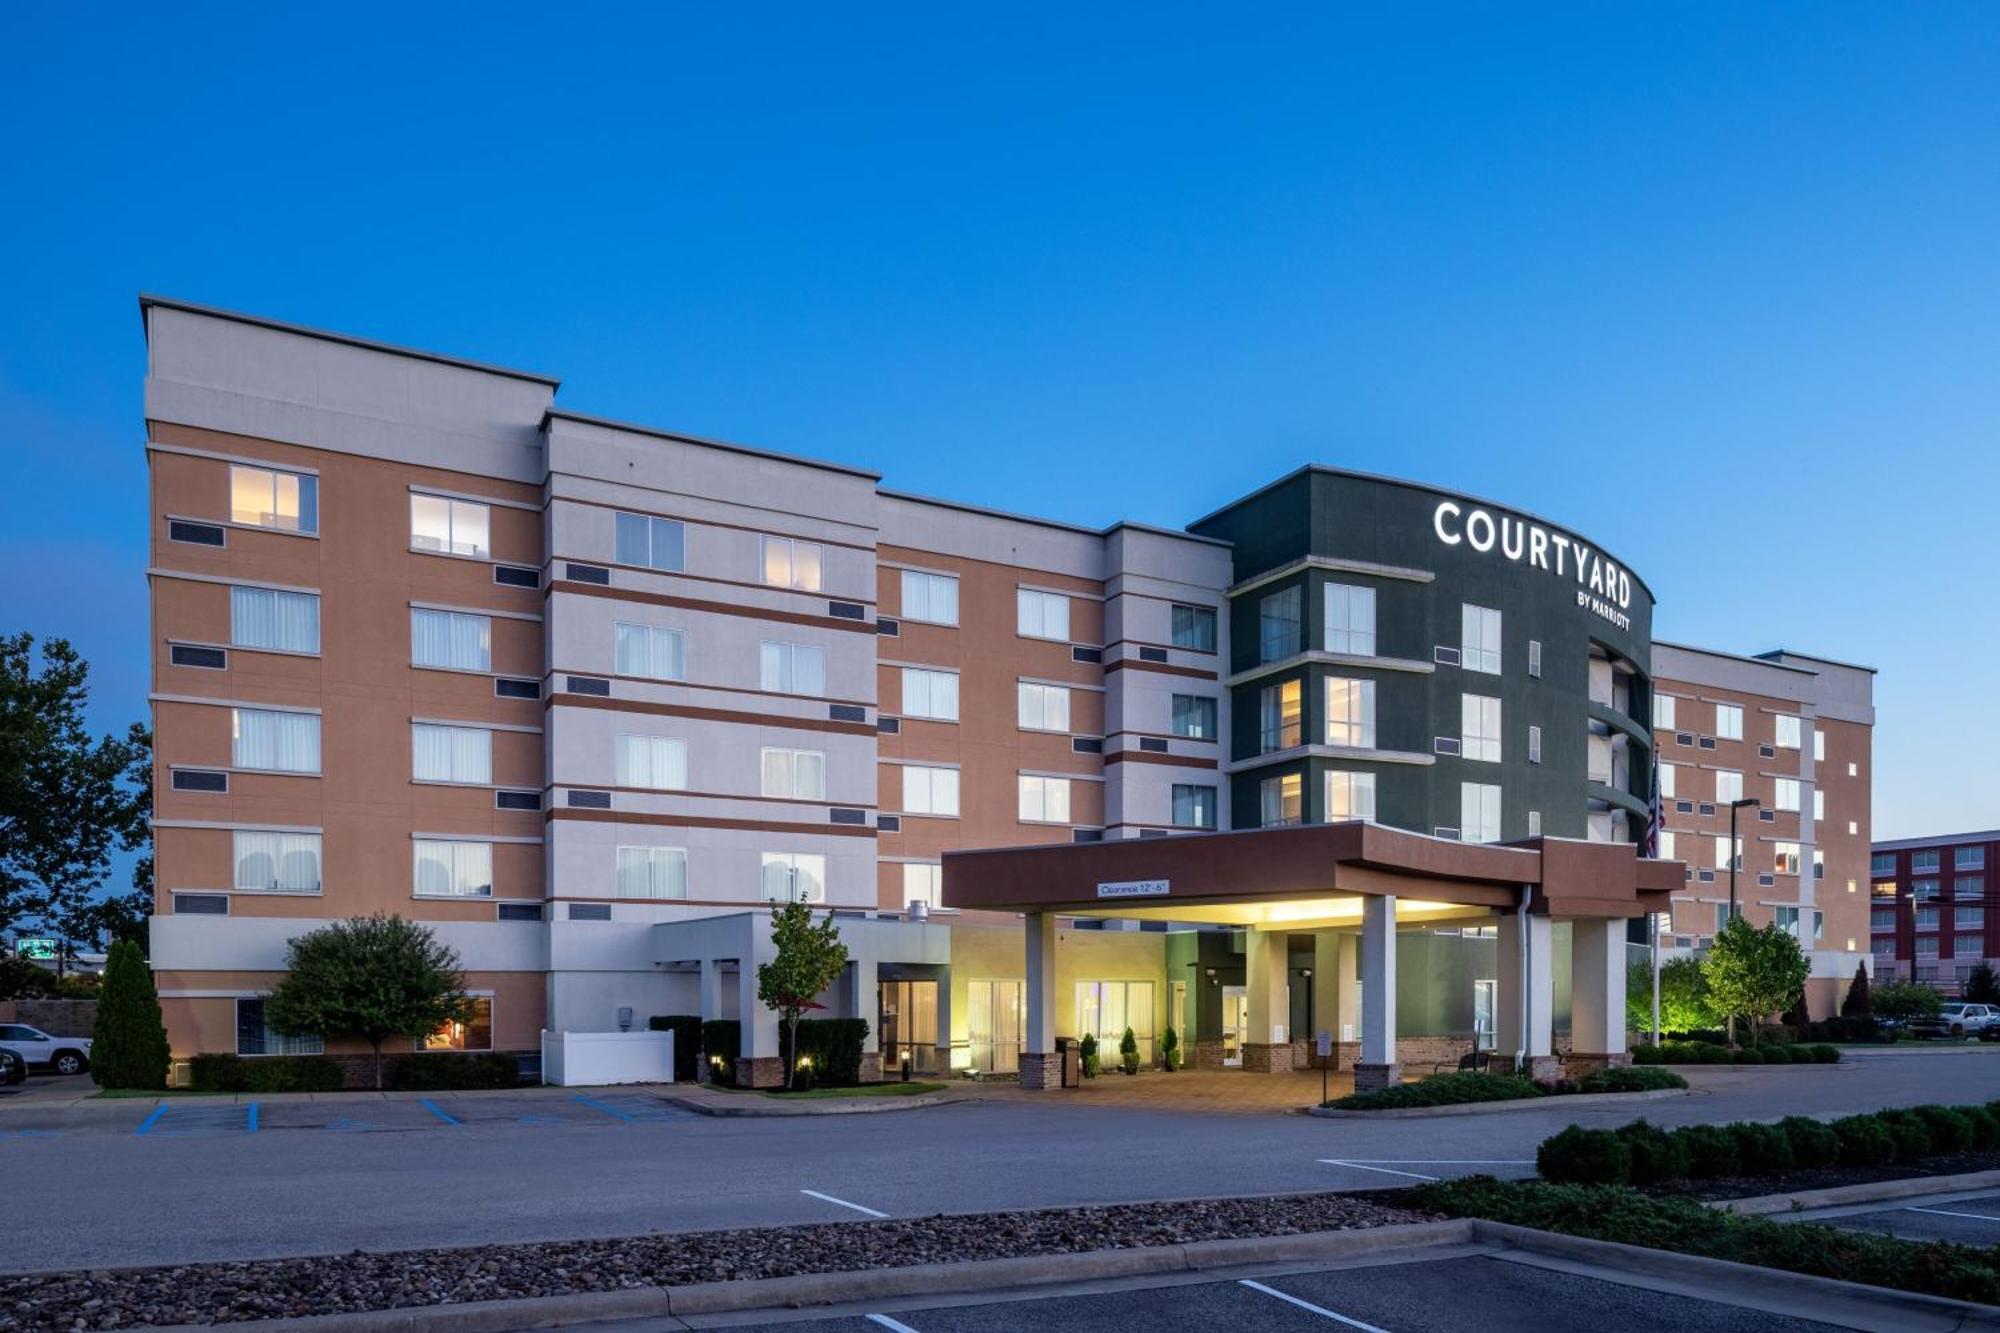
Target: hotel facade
[[588, 697], [1930, 907]]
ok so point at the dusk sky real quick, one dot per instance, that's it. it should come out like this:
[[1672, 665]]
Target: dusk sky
[[1716, 285]]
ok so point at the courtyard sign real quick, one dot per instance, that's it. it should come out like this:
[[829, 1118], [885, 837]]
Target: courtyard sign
[[1133, 888], [1601, 585]]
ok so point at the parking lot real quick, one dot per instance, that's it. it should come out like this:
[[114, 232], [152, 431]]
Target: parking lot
[[1965, 1219], [210, 1117]]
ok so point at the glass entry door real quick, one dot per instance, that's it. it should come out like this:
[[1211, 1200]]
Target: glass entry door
[[993, 1025], [1482, 1014], [907, 1025], [1235, 1024]]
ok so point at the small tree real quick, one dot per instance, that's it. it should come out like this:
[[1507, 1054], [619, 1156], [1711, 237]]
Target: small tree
[[1857, 1004], [1684, 1001], [1903, 1001], [1982, 986], [128, 1046], [1170, 1050], [1087, 1055], [1751, 972], [1128, 1051], [807, 961], [372, 977]]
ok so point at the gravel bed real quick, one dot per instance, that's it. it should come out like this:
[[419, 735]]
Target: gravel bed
[[214, 1293]]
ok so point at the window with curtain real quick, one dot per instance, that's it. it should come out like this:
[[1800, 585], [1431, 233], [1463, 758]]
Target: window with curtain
[[929, 791], [790, 877], [1787, 794], [932, 694], [1479, 812], [474, 1032], [792, 668], [651, 651], [921, 882], [659, 762], [1669, 779], [455, 527], [451, 639], [1043, 707], [1278, 624], [451, 754], [652, 872], [1728, 722], [1663, 712], [1968, 858], [1350, 712], [1279, 717], [652, 543], [790, 563], [279, 742], [1041, 615], [1788, 732], [798, 775], [1722, 857], [452, 869], [1479, 731], [930, 597], [1728, 786], [1194, 717], [1044, 800], [277, 862], [254, 1036], [1194, 806], [268, 498], [1106, 1008], [1479, 648], [265, 618], [1349, 795], [1350, 619], [1281, 800], [1194, 627], [1535, 745]]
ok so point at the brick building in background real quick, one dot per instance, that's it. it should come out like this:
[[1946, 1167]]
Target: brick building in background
[[1930, 910]]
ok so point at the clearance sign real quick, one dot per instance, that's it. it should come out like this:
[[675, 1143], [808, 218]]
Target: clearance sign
[[1602, 588]]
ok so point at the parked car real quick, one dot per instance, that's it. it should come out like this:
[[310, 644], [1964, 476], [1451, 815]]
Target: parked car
[[13, 1069], [1957, 1019], [38, 1050]]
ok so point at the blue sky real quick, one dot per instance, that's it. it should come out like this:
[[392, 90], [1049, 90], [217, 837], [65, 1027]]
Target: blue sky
[[1717, 285]]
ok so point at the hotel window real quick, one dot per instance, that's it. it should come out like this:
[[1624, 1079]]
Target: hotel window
[[1969, 886], [1926, 918], [659, 762], [932, 598], [455, 527], [1105, 1009], [790, 563], [1819, 745], [1042, 707], [1968, 858], [1786, 919], [1667, 845], [1853, 828], [652, 543], [794, 775], [1819, 806], [265, 618], [1722, 852], [1728, 786], [451, 639], [1968, 946], [1788, 795], [652, 872], [1921, 862], [1968, 918], [1927, 946], [1853, 769], [1534, 745], [1923, 890], [451, 869], [1479, 646], [1787, 731], [792, 668], [266, 498], [1350, 712], [1194, 628], [1279, 717], [922, 881], [1721, 916], [1534, 823], [1041, 615], [1350, 619], [1882, 863], [1194, 717], [1349, 795], [1044, 800], [256, 1037], [1194, 806], [1663, 712], [474, 1032], [650, 651], [1479, 727], [1280, 800], [277, 862], [1535, 658], [930, 791], [1479, 812], [1819, 863], [1667, 779], [1882, 919], [1278, 625], [1785, 858], [451, 754], [794, 877], [932, 694], [1728, 722], [274, 741]]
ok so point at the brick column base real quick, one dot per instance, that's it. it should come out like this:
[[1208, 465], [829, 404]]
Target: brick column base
[[871, 1066], [1368, 1078], [1263, 1058], [1207, 1055], [1541, 1068], [1585, 1062], [1041, 1071], [766, 1071]]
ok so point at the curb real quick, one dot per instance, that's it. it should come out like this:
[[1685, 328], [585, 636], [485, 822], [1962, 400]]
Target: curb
[[810, 1289], [1874, 1191], [756, 1108], [1517, 1104]]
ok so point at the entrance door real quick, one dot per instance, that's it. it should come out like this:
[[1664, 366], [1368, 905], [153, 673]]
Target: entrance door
[[908, 1025], [1482, 1014], [1235, 1024], [993, 1025]]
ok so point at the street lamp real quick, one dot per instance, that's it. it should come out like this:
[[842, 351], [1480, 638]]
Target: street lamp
[[1311, 1023], [1735, 848]]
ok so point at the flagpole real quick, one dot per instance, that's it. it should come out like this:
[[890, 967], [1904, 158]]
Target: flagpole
[[1655, 820], [1653, 919]]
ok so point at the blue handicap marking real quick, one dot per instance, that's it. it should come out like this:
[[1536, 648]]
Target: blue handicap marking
[[441, 1113], [199, 1121], [541, 1120], [343, 1125], [633, 1108]]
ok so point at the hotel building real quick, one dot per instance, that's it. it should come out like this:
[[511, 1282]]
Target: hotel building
[[1929, 907]]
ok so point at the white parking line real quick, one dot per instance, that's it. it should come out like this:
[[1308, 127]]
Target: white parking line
[[1308, 1305], [1413, 1175], [1436, 1161], [1946, 1212], [844, 1204], [885, 1321]]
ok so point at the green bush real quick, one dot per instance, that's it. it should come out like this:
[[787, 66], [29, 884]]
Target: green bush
[[1911, 1135], [1711, 1150], [1950, 1128], [1128, 1052], [1087, 1056], [1985, 1127], [1864, 1141], [1762, 1150], [1630, 1079], [1440, 1090], [721, 1039], [265, 1073], [1824, 1053], [1585, 1157], [832, 1044], [1774, 1055], [1657, 1157], [1645, 1053], [129, 1041], [441, 1071], [1813, 1143], [687, 1042], [1713, 1055], [1747, 1055]]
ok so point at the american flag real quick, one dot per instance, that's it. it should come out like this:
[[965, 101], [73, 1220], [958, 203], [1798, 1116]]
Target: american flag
[[1655, 815]]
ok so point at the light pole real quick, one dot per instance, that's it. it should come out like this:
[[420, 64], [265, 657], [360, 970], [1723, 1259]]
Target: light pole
[[1735, 846], [1312, 1024]]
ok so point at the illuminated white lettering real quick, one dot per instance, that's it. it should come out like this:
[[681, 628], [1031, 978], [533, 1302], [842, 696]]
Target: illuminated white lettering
[[1538, 548], [1519, 531], [1437, 522], [1475, 521], [1582, 557], [1562, 544]]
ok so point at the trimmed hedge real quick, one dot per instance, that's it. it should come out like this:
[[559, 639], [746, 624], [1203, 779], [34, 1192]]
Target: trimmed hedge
[[453, 1071], [1585, 1157], [1814, 1143], [1440, 1090], [721, 1039], [1657, 1156], [1615, 1078], [1864, 1141], [832, 1044], [265, 1073], [1706, 1053], [687, 1042], [1712, 1150]]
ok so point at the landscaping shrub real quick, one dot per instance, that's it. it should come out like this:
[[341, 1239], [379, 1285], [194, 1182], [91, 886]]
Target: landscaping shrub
[[721, 1039], [1657, 1157], [1864, 1141], [1985, 1127], [1813, 1143], [1087, 1055], [1774, 1055], [1585, 1157], [1128, 1052], [1748, 1055], [1170, 1050], [1645, 1053], [439, 1071], [832, 1044], [1950, 1128], [687, 1042], [1713, 1055], [1440, 1090], [129, 1041], [1761, 1150], [1703, 1036], [1711, 1150], [1911, 1135], [265, 1073], [1630, 1079], [1825, 1054], [1773, 1034]]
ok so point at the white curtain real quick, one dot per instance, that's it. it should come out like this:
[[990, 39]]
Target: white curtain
[[652, 761], [449, 639], [277, 862], [285, 742], [652, 872], [451, 754], [643, 650], [454, 869], [265, 618]]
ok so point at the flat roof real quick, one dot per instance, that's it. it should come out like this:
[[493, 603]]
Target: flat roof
[[1815, 657], [1941, 840], [1746, 658], [1082, 529], [148, 301], [681, 437]]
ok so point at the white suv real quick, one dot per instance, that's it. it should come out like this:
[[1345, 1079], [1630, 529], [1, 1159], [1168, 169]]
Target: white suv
[[38, 1050]]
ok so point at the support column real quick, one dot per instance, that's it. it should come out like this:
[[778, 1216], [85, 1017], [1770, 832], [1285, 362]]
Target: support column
[[1267, 1046], [1378, 1066], [943, 1047], [1040, 1067], [1537, 992], [1597, 994], [862, 1001], [758, 1064], [711, 1005], [1330, 984]]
